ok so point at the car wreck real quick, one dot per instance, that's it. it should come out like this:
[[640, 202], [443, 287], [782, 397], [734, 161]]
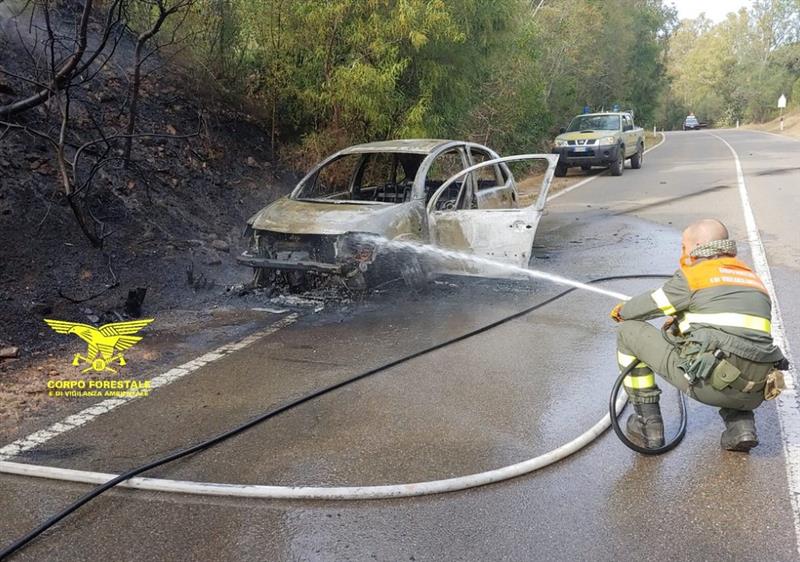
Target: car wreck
[[454, 195]]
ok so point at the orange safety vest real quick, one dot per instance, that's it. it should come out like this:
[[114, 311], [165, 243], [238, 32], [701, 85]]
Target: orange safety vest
[[721, 272]]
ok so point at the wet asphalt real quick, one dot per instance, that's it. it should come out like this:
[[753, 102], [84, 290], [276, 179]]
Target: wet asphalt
[[504, 396]]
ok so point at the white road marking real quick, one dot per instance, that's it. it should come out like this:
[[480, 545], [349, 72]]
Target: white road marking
[[84, 416], [604, 173], [786, 403]]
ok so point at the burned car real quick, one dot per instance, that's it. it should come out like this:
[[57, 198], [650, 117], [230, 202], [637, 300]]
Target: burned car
[[450, 194]]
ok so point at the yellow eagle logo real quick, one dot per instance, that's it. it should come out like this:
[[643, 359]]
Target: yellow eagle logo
[[106, 343]]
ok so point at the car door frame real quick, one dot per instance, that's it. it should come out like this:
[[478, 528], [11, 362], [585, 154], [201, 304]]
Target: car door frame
[[418, 191], [504, 235], [629, 135], [505, 189]]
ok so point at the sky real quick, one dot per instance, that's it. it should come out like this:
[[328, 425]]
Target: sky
[[715, 10]]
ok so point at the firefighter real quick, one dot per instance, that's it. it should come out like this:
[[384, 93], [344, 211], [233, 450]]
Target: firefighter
[[716, 345]]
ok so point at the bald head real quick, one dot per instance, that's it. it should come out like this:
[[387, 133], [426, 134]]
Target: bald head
[[702, 232]]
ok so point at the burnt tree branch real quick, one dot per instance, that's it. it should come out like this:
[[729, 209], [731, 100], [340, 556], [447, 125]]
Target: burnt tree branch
[[61, 76], [139, 59]]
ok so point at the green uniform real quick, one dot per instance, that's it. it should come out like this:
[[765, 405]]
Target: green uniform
[[720, 304]]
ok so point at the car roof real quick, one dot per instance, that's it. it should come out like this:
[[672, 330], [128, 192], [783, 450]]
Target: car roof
[[412, 146], [604, 113]]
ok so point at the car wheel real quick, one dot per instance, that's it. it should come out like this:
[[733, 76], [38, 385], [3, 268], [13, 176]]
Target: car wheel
[[298, 281], [586, 167], [263, 278], [638, 158], [618, 165], [561, 170]]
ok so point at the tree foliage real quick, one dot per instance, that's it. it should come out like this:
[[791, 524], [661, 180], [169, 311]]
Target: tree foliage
[[324, 74], [736, 69]]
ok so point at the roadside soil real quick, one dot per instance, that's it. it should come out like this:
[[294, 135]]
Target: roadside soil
[[791, 125], [173, 220]]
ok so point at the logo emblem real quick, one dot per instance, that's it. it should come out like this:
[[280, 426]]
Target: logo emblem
[[105, 344]]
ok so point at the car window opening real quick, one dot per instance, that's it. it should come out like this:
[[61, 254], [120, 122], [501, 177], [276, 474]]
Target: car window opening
[[442, 168], [375, 177]]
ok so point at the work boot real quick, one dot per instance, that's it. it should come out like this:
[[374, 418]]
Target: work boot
[[646, 425], [740, 432]]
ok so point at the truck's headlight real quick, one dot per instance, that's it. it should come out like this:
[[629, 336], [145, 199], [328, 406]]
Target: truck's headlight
[[607, 140], [560, 142]]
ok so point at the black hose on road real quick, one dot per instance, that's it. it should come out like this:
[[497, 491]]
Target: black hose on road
[[86, 498]]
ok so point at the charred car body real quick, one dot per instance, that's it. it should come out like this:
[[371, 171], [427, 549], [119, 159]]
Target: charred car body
[[447, 193]]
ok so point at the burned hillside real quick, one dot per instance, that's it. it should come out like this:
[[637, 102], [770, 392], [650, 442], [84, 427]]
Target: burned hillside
[[167, 220]]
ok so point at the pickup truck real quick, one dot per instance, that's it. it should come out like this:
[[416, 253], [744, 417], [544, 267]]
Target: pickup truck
[[599, 139]]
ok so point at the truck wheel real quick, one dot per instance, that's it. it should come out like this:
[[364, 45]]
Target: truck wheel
[[586, 167], [618, 166], [636, 159], [561, 170]]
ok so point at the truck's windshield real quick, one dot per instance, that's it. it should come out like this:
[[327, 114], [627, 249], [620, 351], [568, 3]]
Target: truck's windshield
[[594, 123]]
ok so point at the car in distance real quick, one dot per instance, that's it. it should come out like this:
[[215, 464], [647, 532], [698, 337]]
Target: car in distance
[[414, 190], [599, 139], [691, 123]]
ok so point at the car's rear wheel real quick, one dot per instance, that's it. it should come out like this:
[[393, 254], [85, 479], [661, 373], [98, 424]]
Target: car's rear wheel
[[638, 158], [618, 166], [586, 167], [561, 170]]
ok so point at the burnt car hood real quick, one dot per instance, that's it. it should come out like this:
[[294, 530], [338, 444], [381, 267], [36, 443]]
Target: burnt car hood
[[293, 216]]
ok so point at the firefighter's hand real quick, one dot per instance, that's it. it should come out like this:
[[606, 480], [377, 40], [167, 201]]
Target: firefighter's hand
[[669, 324], [615, 315]]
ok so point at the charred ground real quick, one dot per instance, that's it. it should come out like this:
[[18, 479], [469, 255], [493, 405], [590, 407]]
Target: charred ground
[[173, 217]]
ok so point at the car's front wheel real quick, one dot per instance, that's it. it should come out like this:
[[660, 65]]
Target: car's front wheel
[[638, 158], [561, 170], [263, 277], [618, 166]]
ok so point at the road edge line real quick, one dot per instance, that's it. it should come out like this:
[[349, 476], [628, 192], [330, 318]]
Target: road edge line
[[86, 415], [603, 173], [786, 403]]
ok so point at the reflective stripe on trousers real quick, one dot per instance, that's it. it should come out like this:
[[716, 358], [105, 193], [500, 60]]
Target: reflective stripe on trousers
[[625, 360], [636, 381]]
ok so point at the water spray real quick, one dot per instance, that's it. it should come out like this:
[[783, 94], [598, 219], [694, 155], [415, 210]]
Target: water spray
[[487, 266]]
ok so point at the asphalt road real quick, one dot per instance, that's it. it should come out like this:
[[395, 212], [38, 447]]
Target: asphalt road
[[508, 395]]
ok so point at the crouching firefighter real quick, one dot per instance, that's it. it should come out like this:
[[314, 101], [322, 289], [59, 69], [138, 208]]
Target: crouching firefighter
[[716, 345]]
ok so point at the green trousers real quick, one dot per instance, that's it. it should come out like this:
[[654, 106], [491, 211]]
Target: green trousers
[[641, 342]]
